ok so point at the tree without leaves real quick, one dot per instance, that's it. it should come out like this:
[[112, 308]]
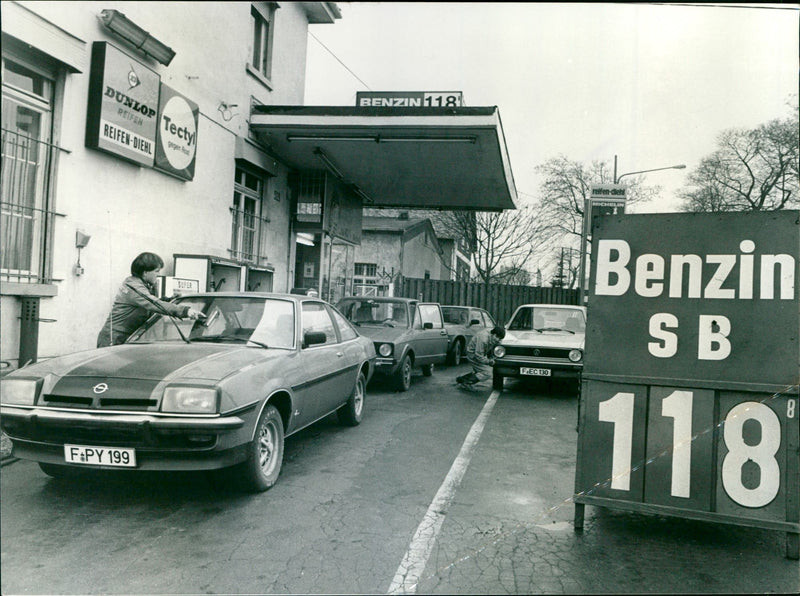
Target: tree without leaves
[[751, 170], [566, 186], [503, 243]]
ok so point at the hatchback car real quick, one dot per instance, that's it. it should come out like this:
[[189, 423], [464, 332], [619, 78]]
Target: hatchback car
[[542, 340], [462, 323], [406, 332], [219, 392]]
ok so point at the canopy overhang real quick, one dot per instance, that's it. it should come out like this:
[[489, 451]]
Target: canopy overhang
[[420, 158]]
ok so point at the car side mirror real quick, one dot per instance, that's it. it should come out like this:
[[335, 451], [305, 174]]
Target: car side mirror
[[313, 338], [427, 325]]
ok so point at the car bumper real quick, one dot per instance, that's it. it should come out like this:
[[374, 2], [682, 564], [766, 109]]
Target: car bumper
[[559, 369], [161, 443], [386, 366]]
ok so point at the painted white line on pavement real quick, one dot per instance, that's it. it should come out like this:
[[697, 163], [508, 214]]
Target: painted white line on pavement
[[419, 551]]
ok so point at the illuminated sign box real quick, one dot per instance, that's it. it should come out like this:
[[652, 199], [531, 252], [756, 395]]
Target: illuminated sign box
[[409, 99], [689, 403], [176, 145], [123, 105], [132, 115]]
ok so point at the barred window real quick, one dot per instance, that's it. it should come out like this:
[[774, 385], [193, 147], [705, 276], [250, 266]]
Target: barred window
[[28, 162], [248, 216]]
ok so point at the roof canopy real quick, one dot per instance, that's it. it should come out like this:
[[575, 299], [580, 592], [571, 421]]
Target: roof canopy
[[447, 158]]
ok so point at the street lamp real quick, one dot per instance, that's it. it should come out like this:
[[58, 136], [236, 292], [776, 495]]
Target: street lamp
[[587, 224], [618, 178]]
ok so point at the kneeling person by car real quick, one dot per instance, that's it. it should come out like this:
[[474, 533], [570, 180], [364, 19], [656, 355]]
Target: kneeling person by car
[[479, 355]]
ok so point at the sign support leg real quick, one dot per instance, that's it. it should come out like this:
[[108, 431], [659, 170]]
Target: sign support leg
[[578, 520], [792, 546]]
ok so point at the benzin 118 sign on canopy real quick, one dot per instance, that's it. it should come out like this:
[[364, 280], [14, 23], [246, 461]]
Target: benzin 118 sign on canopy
[[689, 402]]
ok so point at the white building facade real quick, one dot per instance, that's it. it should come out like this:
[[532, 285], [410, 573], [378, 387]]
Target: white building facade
[[76, 210]]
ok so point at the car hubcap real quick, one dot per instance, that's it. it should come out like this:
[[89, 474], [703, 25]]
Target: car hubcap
[[458, 354], [266, 448], [407, 373], [358, 401]]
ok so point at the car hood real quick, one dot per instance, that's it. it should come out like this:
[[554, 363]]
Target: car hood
[[144, 366], [383, 333], [544, 339]]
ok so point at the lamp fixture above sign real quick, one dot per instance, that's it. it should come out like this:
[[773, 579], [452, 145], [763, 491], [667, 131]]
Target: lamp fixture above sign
[[385, 139], [118, 23]]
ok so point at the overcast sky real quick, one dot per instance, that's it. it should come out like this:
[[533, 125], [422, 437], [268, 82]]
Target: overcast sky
[[653, 84]]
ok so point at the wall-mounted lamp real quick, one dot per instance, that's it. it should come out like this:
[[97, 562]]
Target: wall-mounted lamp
[[81, 240], [306, 239], [226, 110], [118, 23]]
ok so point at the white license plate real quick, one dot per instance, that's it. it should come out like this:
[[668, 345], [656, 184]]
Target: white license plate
[[100, 456], [535, 372]]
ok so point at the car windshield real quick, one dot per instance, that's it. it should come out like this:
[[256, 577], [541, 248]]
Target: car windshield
[[374, 312], [536, 318], [267, 322], [455, 316]]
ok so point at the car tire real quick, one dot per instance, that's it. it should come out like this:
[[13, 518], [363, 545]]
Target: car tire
[[263, 466], [350, 414], [498, 381], [456, 352], [57, 470], [403, 375]]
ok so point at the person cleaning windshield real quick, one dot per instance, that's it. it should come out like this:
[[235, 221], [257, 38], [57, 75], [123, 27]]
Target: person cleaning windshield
[[136, 300]]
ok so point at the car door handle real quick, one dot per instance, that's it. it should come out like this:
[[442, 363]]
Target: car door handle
[[339, 354]]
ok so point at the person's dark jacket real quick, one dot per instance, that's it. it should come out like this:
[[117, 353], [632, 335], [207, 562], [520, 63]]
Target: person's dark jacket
[[131, 308]]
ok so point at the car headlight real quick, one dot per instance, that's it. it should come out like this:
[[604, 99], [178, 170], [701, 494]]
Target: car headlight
[[499, 351], [190, 400], [575, 355], [385, 349], [20, 392]]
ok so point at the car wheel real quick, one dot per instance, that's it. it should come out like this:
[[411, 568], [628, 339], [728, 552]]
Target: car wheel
[[403, 375], [497, 381], [260, 471], [427, 370], [57, 471], [351, 413], [455, 353]]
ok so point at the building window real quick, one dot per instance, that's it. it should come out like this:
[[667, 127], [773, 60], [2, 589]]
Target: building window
[[263, 20], [366, 270], [462, 271], [248, 216], [366, 281], [28, 164]]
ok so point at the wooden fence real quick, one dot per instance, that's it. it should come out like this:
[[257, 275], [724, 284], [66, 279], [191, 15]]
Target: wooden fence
[[499, 300]]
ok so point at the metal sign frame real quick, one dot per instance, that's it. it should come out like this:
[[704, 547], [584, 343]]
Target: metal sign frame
[[680, 414]]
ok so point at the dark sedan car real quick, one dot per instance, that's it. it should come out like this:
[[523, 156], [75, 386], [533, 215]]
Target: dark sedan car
[[462, 323], [406, 333], [215, 393]]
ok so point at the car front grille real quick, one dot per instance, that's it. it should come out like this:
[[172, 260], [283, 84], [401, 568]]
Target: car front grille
[[533, 352], [100, 403], [140, 437]]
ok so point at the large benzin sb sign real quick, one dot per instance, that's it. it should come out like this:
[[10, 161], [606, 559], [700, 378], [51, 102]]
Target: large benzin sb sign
[[689, 401]]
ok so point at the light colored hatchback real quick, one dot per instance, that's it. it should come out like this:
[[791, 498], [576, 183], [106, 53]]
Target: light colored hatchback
[[542, 340]]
